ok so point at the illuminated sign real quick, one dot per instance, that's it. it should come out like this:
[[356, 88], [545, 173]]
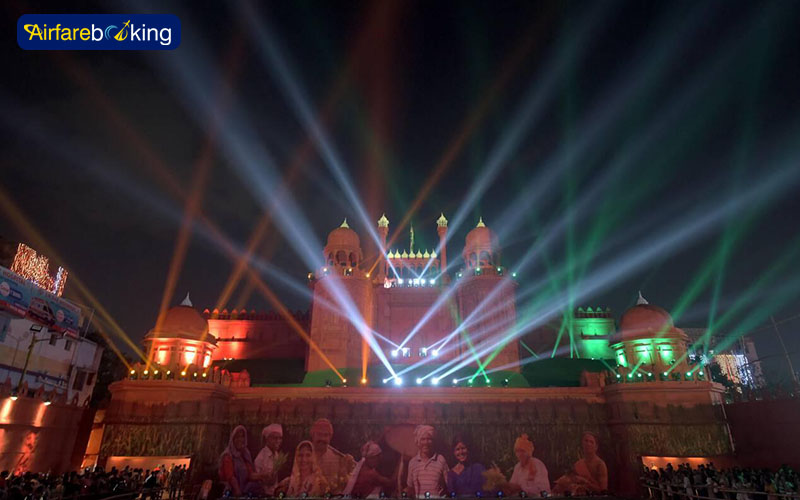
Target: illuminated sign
[[36, 268]]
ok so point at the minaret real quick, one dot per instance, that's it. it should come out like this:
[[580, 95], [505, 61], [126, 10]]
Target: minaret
[[383, 232], [441, 223]]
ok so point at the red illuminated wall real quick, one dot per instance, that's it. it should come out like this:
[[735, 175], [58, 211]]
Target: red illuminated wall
[[331, 329], [259, 336], [495, 318], [399, 310]]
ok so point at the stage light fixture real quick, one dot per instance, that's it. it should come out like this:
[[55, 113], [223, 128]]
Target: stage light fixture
[[398, 381], [427, 494], [328, 383], [363, 381], [505, 382], [399, 281], [514, 274], [435, 352], [455, 381], [394, 353], [419, 381], [435, 381]]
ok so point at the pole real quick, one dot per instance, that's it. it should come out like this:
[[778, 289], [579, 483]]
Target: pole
[[27, 360], [785, 352]]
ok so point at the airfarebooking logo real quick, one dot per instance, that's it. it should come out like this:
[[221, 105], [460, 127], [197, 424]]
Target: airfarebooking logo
[[98, 32]]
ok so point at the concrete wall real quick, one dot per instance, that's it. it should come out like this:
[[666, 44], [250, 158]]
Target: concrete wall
[[766, 433], [38, 437]]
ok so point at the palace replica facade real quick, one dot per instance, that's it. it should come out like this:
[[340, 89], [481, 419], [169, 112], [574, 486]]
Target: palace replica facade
[[392, 344]]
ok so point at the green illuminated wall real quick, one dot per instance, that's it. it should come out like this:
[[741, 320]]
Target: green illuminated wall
[[592, 336]]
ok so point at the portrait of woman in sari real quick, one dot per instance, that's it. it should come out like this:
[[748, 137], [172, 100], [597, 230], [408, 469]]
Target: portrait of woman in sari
[[306, 475], [236, 465]]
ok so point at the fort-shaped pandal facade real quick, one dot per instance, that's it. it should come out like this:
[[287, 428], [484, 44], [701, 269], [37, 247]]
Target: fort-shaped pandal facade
[[632, 386]]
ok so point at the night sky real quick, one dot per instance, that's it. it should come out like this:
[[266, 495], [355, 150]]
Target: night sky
[[654, 144]]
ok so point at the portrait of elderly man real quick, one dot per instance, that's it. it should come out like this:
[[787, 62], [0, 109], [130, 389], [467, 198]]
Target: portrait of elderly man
[[269, 459], [530, 474], [335, 465], [427, 471]]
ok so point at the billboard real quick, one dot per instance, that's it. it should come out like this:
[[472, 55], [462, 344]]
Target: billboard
[[23, 298], [15, 292]]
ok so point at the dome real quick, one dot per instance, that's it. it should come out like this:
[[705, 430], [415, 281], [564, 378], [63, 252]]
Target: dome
[[182, 321], [646, 320], [645, 317], [343, 236], [481, 237]]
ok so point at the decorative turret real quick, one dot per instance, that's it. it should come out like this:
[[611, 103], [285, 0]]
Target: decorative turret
[[180, 339], [441, 228], [648, 339], [383, 232]]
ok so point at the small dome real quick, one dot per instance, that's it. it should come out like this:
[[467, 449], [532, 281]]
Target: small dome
[[645, 321], [480, 238], [184, 322], [343, 236]]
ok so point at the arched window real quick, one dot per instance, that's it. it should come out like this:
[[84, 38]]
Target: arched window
[[353, 260], [330, 259], [341, 258], [485, 259], [473, 260]]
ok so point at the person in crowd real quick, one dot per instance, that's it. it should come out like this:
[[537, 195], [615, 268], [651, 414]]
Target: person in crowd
[[176, 481], [306, 477], [269, 459], [366, 481], [335, 465], [236, 466], [151, 486], [427, 471], [465, 478], [588, 475], [530, 474]]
